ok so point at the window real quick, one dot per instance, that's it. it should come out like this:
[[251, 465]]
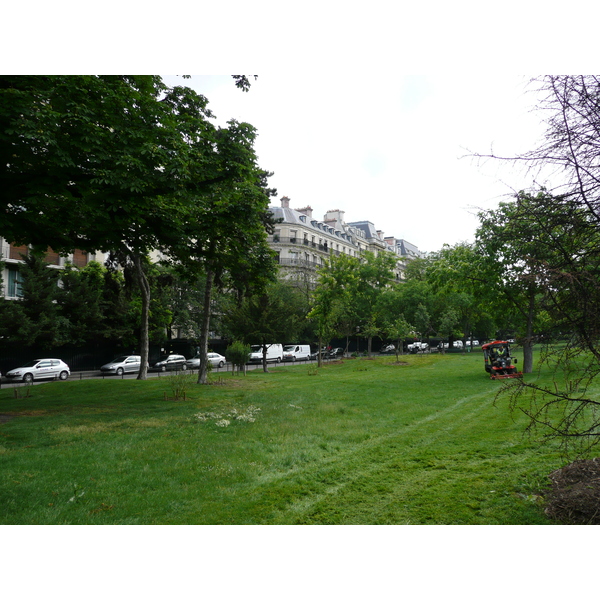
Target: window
[[14, 284]]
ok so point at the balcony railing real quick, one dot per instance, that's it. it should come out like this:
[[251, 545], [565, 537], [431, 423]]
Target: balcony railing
[[299, 263], [277, 239]]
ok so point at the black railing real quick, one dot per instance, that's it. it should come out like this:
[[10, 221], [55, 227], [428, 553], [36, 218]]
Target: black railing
[[277, 239], [297, 262]]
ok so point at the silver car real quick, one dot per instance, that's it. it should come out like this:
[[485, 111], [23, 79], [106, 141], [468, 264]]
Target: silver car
[[215, 360], [171, 362], [41, 368], [122, 364]]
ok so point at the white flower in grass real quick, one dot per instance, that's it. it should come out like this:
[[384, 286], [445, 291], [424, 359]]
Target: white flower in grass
[[222, 423]]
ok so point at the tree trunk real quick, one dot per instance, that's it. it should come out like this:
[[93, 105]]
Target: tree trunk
[[319, 358], [264, 360], [204, 328], [528, 342], [145, 292]]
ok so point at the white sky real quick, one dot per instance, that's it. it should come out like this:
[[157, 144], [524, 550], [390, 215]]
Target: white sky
[[390, 149]]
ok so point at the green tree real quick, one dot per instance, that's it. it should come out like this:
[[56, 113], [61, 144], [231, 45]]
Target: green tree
[[226, 240], [39, 322], [375, 275], [237, 353], [79, 300], [119, 164], [399, 330], [333, 298], [515, 243], [275, 314], [561, 261]]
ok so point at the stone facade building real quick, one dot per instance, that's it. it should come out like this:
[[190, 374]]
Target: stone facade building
[[303, 243]]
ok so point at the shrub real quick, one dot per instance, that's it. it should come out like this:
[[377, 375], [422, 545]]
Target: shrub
[[237, 353]]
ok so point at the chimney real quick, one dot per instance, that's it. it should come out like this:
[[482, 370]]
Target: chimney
[[335, 216], [285, 202], [307, 210]]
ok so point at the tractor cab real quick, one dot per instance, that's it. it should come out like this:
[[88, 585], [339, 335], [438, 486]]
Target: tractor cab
[[498, 361]]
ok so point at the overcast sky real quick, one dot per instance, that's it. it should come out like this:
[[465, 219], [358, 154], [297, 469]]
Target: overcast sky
[[390, 149]]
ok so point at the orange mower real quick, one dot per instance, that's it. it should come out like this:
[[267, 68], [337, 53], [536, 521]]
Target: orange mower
[[498, 361]]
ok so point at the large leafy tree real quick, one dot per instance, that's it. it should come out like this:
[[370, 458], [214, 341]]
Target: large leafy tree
[[276, 313], [464, 288], [333, 306], [226, 240], [119, 164], [560, 259], [517, 243], [567, 159], [375, 275]]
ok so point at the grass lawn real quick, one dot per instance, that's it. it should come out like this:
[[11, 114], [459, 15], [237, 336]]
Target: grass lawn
[[355, 442]]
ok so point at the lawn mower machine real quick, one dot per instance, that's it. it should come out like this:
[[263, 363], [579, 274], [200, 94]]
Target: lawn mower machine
[[498, 361]]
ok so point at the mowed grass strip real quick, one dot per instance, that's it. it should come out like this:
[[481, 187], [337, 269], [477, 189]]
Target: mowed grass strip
[[361, 442]]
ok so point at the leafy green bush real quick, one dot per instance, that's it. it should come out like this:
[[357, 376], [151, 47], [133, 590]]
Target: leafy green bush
[[237, 353]]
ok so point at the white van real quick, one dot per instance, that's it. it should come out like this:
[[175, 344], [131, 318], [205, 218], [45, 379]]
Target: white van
[[274, 353], [296, 352]]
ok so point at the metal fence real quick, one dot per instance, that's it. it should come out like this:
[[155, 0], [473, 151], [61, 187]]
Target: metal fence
[[96, 374]]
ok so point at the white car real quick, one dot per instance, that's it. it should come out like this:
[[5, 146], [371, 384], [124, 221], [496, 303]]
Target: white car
[[122, 364], [418, 347], [215, 360], [41, 368]]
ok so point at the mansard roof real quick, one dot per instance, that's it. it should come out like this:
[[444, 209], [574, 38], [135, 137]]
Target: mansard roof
[[294, 217]]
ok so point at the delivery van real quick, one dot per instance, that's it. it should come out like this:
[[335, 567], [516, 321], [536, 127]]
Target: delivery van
[[274, 353], [296, 352]]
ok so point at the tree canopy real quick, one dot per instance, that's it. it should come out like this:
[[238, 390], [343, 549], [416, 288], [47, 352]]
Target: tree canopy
[[123, 164]]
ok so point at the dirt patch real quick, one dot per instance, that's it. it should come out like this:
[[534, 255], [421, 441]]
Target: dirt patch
[[575, 494], [5, 417]]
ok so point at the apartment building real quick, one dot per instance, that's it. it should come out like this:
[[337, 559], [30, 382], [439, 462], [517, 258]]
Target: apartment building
[[11, 255], [303, 243]]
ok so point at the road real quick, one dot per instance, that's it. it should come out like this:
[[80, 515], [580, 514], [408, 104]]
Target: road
[[80, 375]]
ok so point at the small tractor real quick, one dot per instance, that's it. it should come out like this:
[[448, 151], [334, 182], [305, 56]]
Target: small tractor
[[498, 361]]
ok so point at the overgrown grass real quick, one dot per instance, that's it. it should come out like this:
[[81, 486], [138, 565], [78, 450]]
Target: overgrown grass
[[355, 442]]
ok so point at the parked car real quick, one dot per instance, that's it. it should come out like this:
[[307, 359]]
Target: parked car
[[475, 342], [418, 347], [171, 362], [122, 364], [336, 353], [296, 352], [41, 368], [315, 354], [215, 360], [274, 353], [457, 344]]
